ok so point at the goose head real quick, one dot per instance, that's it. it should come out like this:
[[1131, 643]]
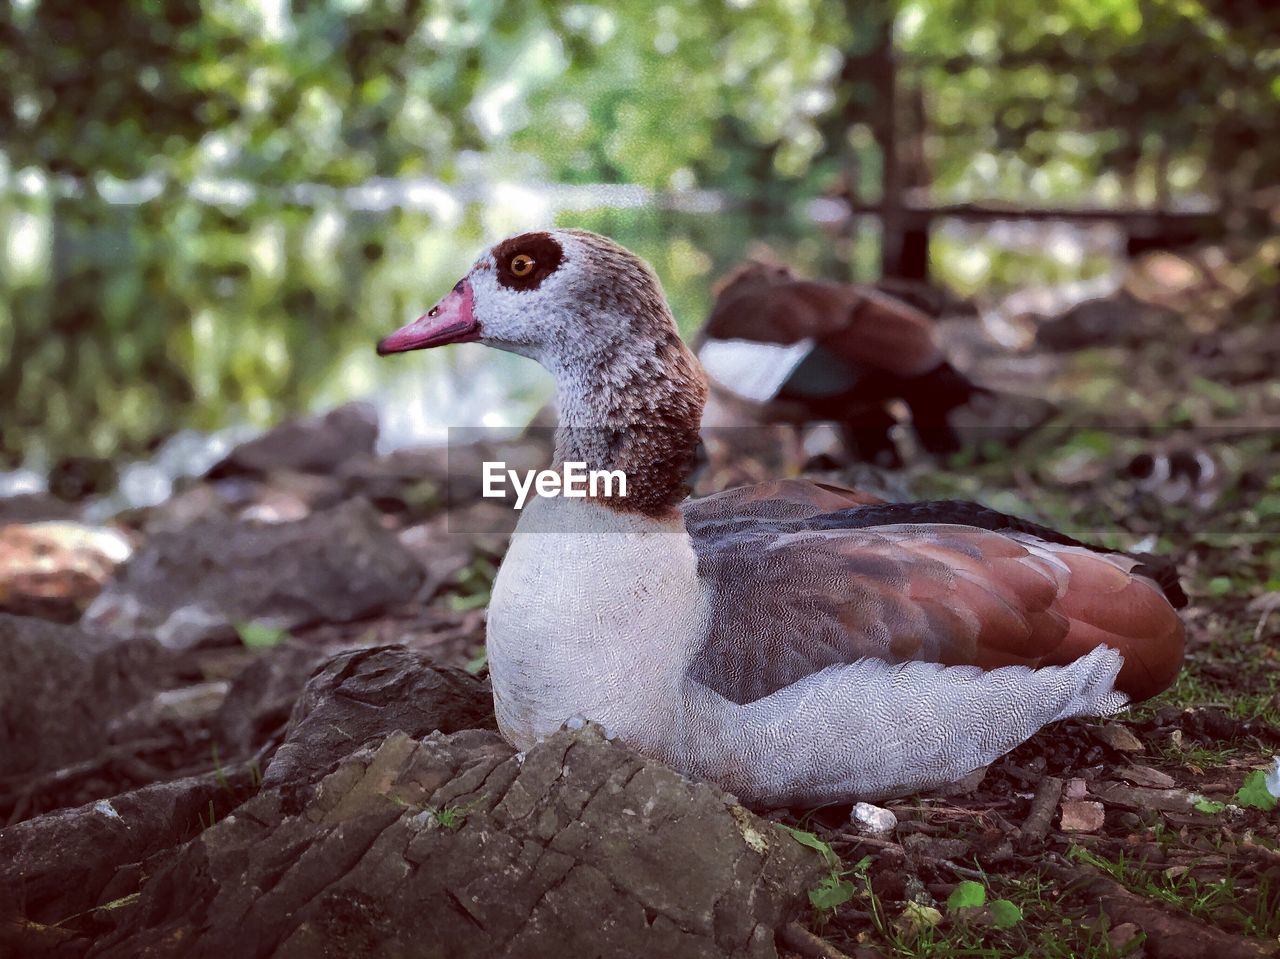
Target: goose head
[[558, 297], [594, 315]]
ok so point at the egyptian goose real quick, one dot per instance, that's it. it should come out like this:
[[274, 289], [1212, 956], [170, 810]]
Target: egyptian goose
[[793, 642], [815, 350]]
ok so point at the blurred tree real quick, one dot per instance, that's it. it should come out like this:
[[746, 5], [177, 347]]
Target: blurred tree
[[206, 278]]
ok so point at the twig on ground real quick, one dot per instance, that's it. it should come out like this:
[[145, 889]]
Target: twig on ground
[[1048, 795], [797, 937]]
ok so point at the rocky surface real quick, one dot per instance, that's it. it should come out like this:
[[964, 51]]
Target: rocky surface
[[393, 820], [61, 689], [312, 444], [451, 845], [358, 696], [202, 581]]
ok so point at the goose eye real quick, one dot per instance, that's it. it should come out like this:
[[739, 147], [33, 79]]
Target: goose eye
[[522, 265]]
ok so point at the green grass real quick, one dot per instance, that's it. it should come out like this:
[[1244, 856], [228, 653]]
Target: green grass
[[834, 889], [1253, 908], [1041, 931], [450, 817], [446, 817], [1191, 689]]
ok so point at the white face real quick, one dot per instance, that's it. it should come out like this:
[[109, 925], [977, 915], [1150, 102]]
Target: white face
[[561, 298], [536, 315]]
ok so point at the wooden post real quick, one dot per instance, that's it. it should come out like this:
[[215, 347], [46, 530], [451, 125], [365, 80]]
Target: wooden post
[[904, 245]]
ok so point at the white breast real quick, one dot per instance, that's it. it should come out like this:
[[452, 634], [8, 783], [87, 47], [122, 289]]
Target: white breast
[[594, 615]]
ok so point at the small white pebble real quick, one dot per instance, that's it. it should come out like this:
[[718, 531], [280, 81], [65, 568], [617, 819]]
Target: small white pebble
[[104, 806], [874, 820]]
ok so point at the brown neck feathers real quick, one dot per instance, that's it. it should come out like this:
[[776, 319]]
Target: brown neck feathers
[[640, 417]]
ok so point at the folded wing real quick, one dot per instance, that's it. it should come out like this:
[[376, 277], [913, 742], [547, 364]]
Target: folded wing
[[797, 586]]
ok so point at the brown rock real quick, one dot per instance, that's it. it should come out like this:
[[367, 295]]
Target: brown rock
[[54, 570], [61, 688], [1082, 816], [1117, 737], [197, 583], [357, 697], [313, 444], [59, 864]]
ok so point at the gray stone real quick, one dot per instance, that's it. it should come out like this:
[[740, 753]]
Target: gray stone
[[60, 864], [357, 697], [199, 582], [60, 688], [453, 845], [873, 820], [313, 444]]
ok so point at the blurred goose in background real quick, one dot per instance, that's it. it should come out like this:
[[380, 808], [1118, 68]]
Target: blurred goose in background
[[794, 642], [806, 350], [1177, 476]]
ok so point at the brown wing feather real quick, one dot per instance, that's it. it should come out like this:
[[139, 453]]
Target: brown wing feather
[[773, 310], [780, 499], [885, 333], [865, 326], [787, 600]]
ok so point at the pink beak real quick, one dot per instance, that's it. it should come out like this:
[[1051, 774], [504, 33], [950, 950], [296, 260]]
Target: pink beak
[[449, 321]]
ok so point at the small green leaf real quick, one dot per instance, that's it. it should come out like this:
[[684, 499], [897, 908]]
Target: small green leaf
[[1254, 794], [860, 867], [477, 662], [461, 604], [831, 893], [260, 635], [967, 895], [1221, 586], [813, 842], [1209, 806], [1005, 914]]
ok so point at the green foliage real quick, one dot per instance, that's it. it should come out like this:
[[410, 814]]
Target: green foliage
[[834, 889], [478, 662], [831, 892], [473, 585], [806, 838], [967, 895], [1221, 586], [1217, 900], [123, 319], [1005, 914], [260, 635], [1254, 794], [450, 817]]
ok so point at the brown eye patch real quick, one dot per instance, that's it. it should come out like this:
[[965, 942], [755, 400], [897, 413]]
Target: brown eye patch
[[524, 261]]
